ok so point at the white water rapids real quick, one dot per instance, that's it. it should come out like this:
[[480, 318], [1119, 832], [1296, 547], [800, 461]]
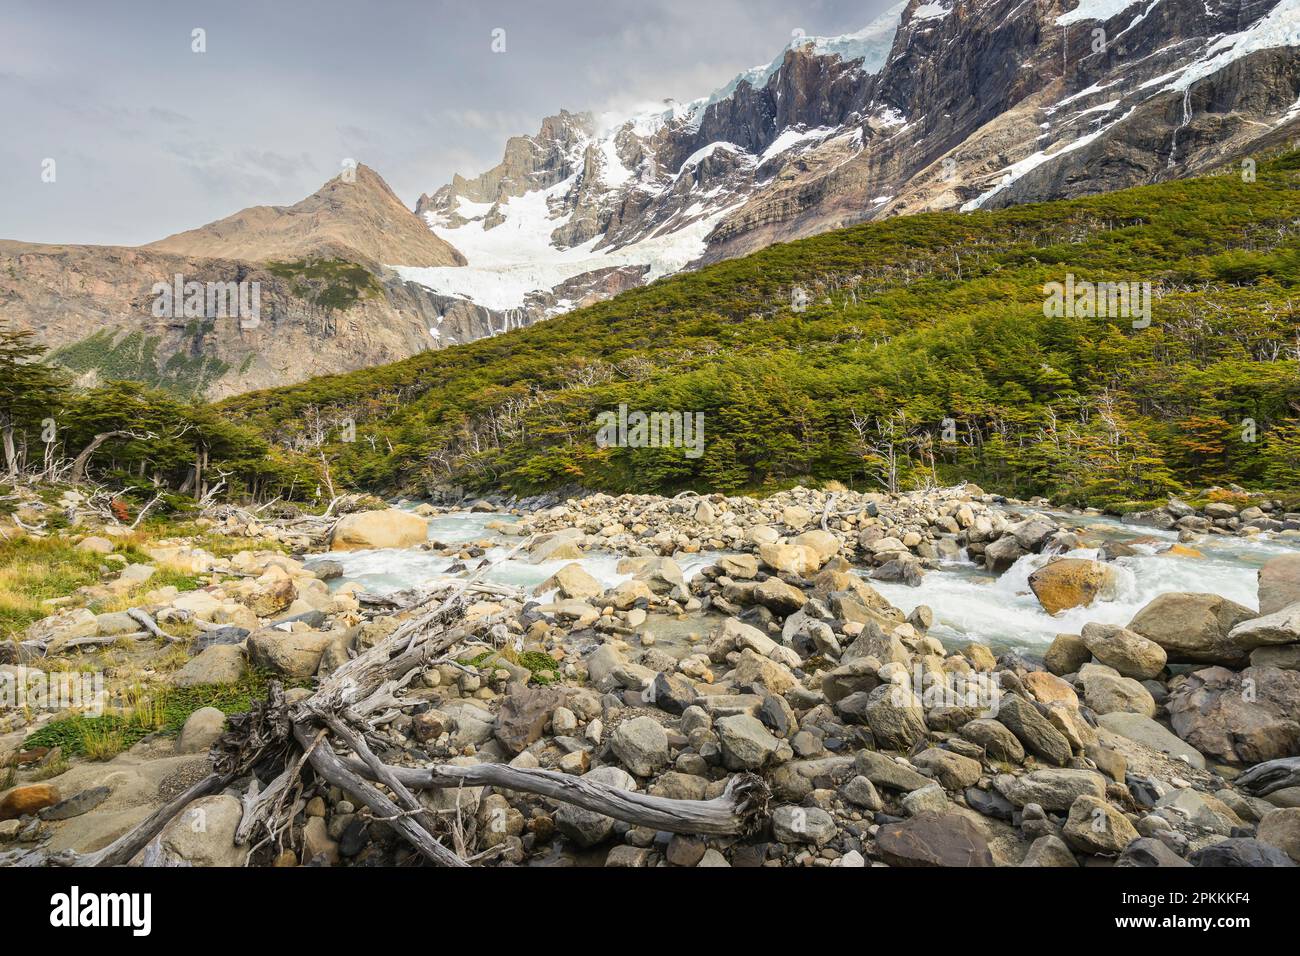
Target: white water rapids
[[969, 604]]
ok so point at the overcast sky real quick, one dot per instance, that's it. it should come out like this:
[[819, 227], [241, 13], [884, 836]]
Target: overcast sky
[[150, 138]]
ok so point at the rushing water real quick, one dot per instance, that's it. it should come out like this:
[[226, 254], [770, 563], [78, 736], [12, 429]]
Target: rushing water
[[968, 603]]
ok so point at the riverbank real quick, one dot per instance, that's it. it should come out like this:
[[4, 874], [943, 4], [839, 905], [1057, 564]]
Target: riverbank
[[816, 640]]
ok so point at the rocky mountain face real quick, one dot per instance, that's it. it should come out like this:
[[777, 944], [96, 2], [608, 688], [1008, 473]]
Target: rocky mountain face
[[953, 104], [354, 216], [956, 104], [326, 303]]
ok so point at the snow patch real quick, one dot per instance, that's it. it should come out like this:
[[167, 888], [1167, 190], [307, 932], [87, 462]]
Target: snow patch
[[1099, 10]]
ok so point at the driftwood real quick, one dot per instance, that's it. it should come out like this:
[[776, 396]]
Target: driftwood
[[266, 751], [1265, 778]]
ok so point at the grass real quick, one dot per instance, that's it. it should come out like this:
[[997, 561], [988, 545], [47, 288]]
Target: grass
[[34, 570], [163, 711]]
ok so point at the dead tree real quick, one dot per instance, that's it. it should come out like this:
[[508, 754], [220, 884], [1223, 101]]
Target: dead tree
[[330, 732]]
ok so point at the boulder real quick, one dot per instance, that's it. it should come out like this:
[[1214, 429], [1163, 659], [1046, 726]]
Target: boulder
[[290, 654], [1279, 628], [952, 770], [217, 664], [896, 717], [1107, 692], [1096, 827], [641, 744], [573, 582], [373, 530], [587, 828], [795, 559], [1281, 829], [1193, 628], [1072, 582], [999, 743], [1033, 730], [1149, 852], [1049, 851], [29, 799], [1247, 717], [203, 834], [1279, 584], [746, 743], [779, 597], [1053, 790], [1239, 852], [1148, 733], [201, 730], [933, 839], [1066, 655], [793, 825], [1129, 653], [523, 716]]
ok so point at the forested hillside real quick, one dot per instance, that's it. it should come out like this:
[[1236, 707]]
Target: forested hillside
[[923, 350]]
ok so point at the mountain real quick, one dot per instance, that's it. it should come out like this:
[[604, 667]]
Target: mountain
[[354, 217], [327, 303], [969, 104], [929, 338]]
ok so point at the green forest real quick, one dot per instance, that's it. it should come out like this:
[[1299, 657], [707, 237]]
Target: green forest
[[896, 353], [889, 355]]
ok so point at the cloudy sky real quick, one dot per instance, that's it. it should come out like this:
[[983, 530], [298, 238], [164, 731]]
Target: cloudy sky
[[149, 137]]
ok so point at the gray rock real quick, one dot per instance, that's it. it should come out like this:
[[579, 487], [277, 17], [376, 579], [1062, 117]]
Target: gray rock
[[587, 828], [642, 745], [1240, 852], [201, 730], [1148, 733], [803, 825], [746, 743], [1052, 789], [1049, 851], [1033, 730], [1149, 852]]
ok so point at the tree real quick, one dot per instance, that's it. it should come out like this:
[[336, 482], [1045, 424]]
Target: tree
[[30, 390]]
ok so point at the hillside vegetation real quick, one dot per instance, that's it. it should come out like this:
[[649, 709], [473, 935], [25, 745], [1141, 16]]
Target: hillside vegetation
[[923, 354]]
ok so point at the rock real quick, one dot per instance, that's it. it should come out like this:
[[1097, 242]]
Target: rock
[[218, 664], [317, 846], [573, 582], [933, 839], [1053, 790], [996, 739], [374, 530], [296, 654], [1106, 692], [1279, 584], [1129, 653], [1049, 689], [1193, 628], [884, 771], [641, 744], [1096, 827], [896, 717], [1072, 582], [685, 850], [523, 716], [802, 825], [587, 828], [1149, 852], [203, 834], [1049, 851], [1281, 829], [268, 595], [327, 570], [672, 693], [746, 743], [661, 575], [29, 799], [1066, 655], [1279, 628], [740, 567], [779, 597], [1148, 733], [861, 792], [752, 669], [952, 770], [857, 676], [1285, 658], [929, 799], [1248, 717], [625, 596], [201, 730], [95, 545], [1033, 730], [1199, 810], [76, 805], [1002, 553], [1239, 852]]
